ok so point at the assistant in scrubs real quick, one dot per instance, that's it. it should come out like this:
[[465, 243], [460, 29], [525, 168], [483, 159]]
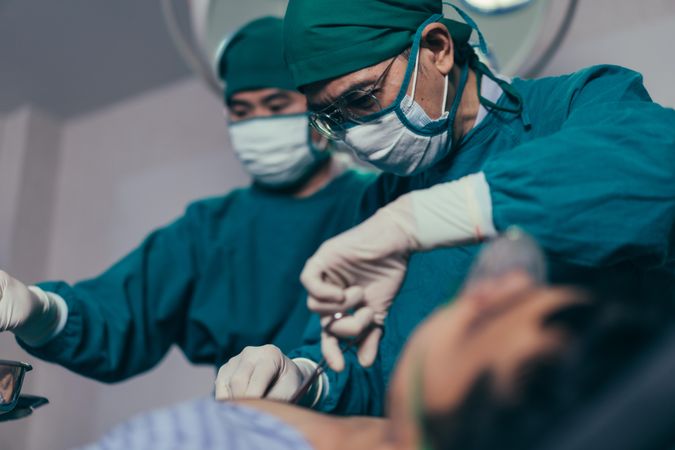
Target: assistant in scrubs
[[226, 274], [584, 162]]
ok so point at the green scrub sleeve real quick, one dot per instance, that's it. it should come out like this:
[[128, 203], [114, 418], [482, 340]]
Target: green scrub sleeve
[[354, 391], [123, 322], [601, 190]]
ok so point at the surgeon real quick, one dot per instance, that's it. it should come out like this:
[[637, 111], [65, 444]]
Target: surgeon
[[585, 162], [226, 274]]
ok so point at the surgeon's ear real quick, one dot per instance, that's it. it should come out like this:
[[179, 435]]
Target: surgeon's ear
[[436, 38]]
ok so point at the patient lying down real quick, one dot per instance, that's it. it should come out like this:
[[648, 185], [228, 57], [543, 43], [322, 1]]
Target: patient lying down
[[496, 369]]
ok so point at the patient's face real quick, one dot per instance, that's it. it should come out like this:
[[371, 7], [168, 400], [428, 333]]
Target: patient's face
[[496, 327]]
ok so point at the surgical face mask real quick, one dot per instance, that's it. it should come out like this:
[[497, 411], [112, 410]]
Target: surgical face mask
[[402, 138], [276, 151]]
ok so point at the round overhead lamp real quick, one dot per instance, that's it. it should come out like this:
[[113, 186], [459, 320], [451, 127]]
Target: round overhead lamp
[[493, 6], [522, 35], [212, 22]]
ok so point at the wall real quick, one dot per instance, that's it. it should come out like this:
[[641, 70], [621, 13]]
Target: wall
[[12, 164], [635, 34], [29, 153], [13, 436]]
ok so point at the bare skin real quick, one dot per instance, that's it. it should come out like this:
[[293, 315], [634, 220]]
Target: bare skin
[[271, 102], [496, 326], [436, 61]]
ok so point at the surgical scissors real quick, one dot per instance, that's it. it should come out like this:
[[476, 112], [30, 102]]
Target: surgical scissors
[[323, 364]]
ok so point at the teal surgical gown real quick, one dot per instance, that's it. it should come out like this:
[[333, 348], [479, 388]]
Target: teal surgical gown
[[589, 170], [222, 277]]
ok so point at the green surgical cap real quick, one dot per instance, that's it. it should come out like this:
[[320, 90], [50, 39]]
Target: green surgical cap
[[254, 58], [325, 39]]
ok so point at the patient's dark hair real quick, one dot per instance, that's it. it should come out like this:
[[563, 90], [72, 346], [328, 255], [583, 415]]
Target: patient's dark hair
[[603, 337]]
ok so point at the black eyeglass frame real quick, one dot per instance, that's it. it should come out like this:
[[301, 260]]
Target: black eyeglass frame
[[330, 121], [6, 405]]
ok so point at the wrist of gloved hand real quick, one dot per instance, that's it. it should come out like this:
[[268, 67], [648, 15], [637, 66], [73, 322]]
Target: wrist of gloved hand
[[319, 388], [445, 215], [46, 320]]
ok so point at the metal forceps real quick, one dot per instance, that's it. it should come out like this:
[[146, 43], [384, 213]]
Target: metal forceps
[[323, 364]]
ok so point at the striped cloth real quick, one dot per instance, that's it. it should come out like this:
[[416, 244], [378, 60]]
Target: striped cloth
[[203, 424]]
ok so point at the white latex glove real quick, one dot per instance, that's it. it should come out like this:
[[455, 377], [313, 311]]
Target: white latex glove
[[29, 312], [265, 372], [363, 268]]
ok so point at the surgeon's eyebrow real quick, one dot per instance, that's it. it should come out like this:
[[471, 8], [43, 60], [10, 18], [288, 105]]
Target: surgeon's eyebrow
[[239, 103], [358, 85], [279, 95]]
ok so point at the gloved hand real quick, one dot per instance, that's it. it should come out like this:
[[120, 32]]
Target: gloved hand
[[363, 268], [265, 372], [32, 314]]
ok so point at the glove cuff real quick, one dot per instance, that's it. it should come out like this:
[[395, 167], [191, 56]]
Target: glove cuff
[[319, 389], [453, 213], [48, 320], [401, 214]]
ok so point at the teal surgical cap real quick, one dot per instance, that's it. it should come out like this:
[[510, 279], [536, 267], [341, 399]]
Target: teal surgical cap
[[254, 58], [325, 39]]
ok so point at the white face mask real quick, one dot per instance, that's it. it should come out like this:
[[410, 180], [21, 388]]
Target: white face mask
[[402, 138], [276, 151]]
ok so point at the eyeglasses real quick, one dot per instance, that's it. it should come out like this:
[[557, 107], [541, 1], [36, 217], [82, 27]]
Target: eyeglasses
[[349, 107], [11, 379]]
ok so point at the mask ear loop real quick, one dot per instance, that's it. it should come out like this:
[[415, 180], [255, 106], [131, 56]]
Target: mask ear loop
[[482, 69], [414, 84], [414, 80], [445, 94]]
